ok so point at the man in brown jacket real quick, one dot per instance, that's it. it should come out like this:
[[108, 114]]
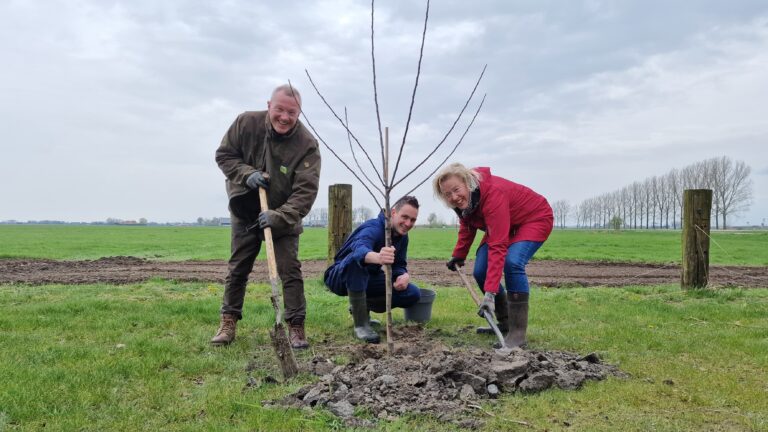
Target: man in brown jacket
[[270, 149]]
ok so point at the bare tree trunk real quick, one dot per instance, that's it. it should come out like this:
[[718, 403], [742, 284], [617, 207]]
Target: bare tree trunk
[[388, 243]]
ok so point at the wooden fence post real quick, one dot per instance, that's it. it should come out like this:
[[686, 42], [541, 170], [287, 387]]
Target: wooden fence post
[[339, 217], [697, 207]]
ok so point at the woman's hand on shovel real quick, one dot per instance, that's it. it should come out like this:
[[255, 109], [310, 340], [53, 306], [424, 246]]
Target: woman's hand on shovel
[[453, 263], [487, 305]]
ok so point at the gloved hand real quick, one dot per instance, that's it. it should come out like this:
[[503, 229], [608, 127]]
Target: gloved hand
[[258, 179], [453, 262], [488, 304], [268, 218]]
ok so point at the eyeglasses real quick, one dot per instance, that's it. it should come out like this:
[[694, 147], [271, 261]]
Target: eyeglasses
[[449, 194]]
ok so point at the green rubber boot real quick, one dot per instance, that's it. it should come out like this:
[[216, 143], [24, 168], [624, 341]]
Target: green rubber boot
[[359, 309]]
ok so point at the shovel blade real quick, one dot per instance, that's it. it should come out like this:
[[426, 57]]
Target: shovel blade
[[496, 331], [282, 347]]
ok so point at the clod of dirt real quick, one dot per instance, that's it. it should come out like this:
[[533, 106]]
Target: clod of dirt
[[427, 377]]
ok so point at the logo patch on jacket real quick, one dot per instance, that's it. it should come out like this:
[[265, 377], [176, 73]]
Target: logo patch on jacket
[[283, 169]]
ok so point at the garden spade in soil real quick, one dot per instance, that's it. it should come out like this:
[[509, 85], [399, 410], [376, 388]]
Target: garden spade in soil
[[487, 315], [279, 338]]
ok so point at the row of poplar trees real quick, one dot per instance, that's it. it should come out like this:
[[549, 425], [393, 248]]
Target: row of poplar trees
[[657, 201]]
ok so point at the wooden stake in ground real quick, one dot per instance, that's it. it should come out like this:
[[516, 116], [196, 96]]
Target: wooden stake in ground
[[697, 208], [279, 338], [339, 217]]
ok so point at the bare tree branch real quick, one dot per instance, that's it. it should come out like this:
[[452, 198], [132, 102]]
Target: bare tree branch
[[343, 163], [376, 97], [454, 147], [413, 96], [351, 149], [449, 130], [388, 182], [345, 126], [337, 156]]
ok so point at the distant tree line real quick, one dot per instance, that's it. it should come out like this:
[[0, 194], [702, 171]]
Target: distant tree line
[[657, 201], [318, 217], [561, 210], [116, 221], [214, 221]]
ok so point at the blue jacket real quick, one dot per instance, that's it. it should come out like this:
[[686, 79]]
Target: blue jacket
[[369, 237]]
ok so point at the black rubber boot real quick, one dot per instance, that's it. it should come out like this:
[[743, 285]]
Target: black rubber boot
[[359, 309], [502, 315], [518, 320], [377, 304], [373, 321]]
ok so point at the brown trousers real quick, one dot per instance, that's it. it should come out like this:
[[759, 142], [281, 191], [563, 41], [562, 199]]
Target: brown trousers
[[246, 244]]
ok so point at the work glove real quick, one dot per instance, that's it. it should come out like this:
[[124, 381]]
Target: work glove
[[488, 304], [268, 218], [453, 262], [258, 180]]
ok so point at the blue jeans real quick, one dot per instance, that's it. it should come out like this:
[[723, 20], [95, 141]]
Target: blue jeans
[[517, 257]]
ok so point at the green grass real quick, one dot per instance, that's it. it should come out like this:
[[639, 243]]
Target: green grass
[[62, 242], [91, 242], [726, 247], [136, 357]]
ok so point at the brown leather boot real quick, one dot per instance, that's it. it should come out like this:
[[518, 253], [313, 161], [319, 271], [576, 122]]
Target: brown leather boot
[[227, 329], [297, 336]]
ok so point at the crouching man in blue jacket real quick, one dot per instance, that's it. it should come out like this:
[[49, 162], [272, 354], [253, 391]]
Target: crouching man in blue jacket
[[357, 271]]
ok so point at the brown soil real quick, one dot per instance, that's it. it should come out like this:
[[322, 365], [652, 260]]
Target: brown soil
[[424, 376], [123, 270]]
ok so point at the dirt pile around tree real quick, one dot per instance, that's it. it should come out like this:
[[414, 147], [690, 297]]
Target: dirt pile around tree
[[430, 378]]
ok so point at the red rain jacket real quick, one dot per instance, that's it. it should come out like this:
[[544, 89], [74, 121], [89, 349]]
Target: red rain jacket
[[508, 213]]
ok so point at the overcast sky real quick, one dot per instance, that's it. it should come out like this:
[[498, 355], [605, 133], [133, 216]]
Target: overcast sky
[[115, 108]]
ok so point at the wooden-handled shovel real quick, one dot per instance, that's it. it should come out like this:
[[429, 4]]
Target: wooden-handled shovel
[[279, 338], [487, 315]]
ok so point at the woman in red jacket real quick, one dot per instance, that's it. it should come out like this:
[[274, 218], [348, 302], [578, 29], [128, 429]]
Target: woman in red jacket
[[516, 221]]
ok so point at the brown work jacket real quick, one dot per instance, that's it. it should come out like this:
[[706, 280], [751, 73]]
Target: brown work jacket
[[291, 160]]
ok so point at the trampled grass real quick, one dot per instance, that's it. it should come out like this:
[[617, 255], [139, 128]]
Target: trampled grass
[[64, 242], [136, 357]]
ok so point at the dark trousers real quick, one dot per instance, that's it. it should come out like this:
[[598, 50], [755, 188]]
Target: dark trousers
[[246, 244], [347, 275]]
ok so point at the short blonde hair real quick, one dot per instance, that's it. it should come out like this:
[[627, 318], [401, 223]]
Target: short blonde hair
[[288, 90], [470, 178]]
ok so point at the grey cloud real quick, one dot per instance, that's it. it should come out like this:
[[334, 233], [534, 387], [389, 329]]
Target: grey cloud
[[98, 92]]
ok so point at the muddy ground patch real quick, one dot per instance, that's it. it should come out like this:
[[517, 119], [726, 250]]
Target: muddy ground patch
[[124, 270], [424, 376]]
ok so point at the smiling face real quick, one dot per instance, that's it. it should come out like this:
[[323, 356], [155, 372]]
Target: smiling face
[[404, 219], [283, 112], [455, 192]]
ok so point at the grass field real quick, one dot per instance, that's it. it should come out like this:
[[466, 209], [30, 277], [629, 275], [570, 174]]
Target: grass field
[[64, 242], [136, 357]]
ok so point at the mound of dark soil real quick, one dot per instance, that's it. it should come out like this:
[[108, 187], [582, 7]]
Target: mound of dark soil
[[428, 377]]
